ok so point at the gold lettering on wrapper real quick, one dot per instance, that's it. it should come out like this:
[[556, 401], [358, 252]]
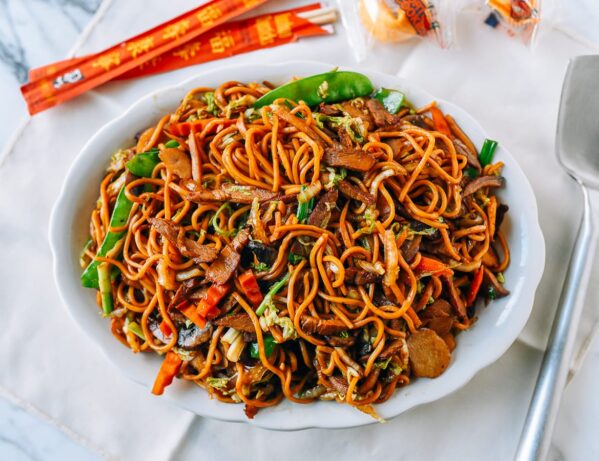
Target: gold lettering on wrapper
[[176, 30], [140, 47], [108, 60], [188, 51], [283, 25], [208, 15], [221, 42], [266, 32]]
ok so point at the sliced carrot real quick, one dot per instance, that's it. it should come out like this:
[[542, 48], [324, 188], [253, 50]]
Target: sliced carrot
[[430, 266], [208, 307], [165, 329], [216, 293], [250, 287], [477, 281], [492, 215], [207, 311], [440, 122], [189, 311], [168, 370]]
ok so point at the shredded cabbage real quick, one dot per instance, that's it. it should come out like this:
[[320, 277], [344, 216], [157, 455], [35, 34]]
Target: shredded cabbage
[[270, 318], [383, 364], [335, 178], [222, 384], [245, 101], [211, 106]]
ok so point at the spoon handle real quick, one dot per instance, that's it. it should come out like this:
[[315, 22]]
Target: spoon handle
[[542, 412]]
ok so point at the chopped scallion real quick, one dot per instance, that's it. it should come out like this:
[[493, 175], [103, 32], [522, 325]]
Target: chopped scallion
[[487, 152]]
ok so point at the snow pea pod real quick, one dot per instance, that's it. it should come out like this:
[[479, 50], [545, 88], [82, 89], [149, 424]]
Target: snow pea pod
[[328, 87], [393, 100], [269, 347], [120, 215], [143, 164]]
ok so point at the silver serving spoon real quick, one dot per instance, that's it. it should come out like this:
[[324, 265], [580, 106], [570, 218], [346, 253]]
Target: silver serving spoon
[[577, 146]]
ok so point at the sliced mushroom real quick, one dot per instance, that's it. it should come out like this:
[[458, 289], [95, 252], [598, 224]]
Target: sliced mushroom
[[352, 159], [186, 246], [438, 317], [356, 276], [461, 149], [326, 327], [490, 278], [221, 270], [456, 299], [176, 161], [381, 116], [480, 182], [184, 291], [353, 192], [410, 248], [241, 322], [321, 215], [188, 338], [233, 193]]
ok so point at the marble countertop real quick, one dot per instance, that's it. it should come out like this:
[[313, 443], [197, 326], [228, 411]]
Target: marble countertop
[[26, 41]]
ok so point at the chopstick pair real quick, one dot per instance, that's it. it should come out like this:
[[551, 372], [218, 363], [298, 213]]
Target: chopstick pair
[[237, 37], [198, 36]]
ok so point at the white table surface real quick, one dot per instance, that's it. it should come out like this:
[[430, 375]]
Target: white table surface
[[34, 32]]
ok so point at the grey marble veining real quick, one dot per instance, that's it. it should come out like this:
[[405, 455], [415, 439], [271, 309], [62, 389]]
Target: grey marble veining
[[33, 33], [33, 29]]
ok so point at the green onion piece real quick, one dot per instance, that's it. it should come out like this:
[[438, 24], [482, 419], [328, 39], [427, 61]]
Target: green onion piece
[[304, 208], [500, 277], [471, 172], [260, 266], [134, 328], [487, 152], [172, 143], [491, 293], [143, 164], [267, 301], [307, 193], [295, 259], [105, 287], [393, 100], [269, 347], [214, 221]]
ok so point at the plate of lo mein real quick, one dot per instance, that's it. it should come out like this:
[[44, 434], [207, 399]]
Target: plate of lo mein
[[295, 246]]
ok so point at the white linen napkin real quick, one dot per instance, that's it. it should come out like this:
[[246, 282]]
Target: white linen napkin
[[48, 362]]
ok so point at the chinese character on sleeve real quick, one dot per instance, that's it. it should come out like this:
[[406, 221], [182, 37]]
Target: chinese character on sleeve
[[140, 47], [222, 41]]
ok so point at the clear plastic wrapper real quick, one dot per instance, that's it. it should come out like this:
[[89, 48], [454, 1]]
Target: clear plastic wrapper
[[518, 18], [372, 23]]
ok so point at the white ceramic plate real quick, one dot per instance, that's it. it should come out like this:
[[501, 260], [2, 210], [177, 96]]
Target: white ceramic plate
[[497, 328]]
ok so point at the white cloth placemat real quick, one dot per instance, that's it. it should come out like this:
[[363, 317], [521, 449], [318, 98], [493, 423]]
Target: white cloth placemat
[[48, 362]]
